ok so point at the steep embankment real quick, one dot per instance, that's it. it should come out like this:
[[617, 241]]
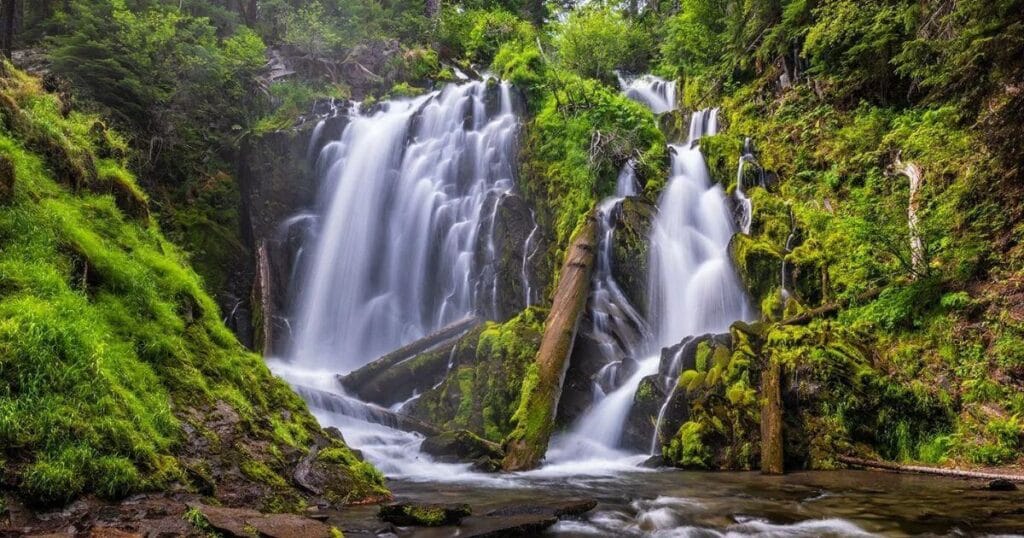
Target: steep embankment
[[116, 373]]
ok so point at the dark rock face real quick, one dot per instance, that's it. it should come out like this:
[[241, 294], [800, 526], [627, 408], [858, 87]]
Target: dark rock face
[[423, 515], [640, 421], [578, 390], [277, 180], [630, 251], [510, 266]]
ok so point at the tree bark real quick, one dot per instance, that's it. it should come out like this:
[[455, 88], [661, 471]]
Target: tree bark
[[920, 469], [7, 20], [542, 388], [771, 419], [263, 309], [913, 172]]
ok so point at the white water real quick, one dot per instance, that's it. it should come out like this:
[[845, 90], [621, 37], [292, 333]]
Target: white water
[[744, 206], [658, 94], [408, 196], [693, 290]]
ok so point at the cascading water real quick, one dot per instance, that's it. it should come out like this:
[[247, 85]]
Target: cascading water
[[693, 288], [404, 241], [658, 94], [744, 206]]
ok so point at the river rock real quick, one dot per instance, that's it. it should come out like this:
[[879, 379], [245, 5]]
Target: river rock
[[406, 514], [505, 526], [243, 522], [564, 508], [1001, 484]]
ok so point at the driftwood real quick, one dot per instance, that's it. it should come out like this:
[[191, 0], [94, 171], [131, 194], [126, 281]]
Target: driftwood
[[920, 469], [535, 418]]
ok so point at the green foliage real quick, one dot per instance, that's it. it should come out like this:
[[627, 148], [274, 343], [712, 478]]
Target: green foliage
[[476, 35], [595, 41]]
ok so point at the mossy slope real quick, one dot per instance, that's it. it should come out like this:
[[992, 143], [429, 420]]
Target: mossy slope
[[116, 373]]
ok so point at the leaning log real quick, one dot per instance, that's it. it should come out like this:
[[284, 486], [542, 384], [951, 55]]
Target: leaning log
[[542, 387], [920, 469]]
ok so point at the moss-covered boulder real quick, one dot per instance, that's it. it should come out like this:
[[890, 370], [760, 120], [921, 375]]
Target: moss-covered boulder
[[481, 390], [759, 265]]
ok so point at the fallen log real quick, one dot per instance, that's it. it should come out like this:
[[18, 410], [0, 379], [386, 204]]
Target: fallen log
[[920, 469], [359, 381], [829, 309], [542, 387]]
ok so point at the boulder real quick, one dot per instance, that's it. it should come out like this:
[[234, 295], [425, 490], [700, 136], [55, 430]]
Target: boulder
[[643, 414], [505, 526], [406, 514]]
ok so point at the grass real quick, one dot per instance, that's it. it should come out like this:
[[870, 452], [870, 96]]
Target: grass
[[106, 333]]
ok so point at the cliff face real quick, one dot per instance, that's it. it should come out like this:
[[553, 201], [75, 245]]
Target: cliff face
[[117, 375]]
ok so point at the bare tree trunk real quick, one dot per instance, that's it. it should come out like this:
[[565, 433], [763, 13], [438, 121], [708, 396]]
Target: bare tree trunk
[[919, 469], [917, 247], [433, 9], [263, 309], [7, 19], [542, 387]]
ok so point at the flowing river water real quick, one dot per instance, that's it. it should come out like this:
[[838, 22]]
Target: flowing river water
[[404, 243]]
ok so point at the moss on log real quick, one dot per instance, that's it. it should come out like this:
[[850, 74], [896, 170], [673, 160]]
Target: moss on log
[[771, 419], [542, 387]]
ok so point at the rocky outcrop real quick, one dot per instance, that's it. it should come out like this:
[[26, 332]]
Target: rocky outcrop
[[630, 250], [508, 244], [542, 387], [278, 193]]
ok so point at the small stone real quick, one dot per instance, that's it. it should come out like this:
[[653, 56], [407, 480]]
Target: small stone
[[654, 462], [1002, 484]]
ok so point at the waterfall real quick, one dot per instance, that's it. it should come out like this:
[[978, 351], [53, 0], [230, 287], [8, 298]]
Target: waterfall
[[744, 207], [693, 290], [656, 93], [409, 196]]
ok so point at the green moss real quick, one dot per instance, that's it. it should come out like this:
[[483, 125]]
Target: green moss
[[107, 337], [687, 449]]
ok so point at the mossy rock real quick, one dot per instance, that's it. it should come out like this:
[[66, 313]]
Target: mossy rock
[[423, 515], [758, 263], [464, 446]]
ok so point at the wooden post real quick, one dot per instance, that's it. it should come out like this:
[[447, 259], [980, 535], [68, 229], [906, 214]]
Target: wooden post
[[542, 388], [771, 419]]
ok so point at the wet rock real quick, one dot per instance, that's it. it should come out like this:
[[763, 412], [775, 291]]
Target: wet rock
[[506, 239], [1001, 484], [505, 526], [654, 462], [646, 405], [630, 250], [406, 514], [584, 365], [462, 445], [564, 508], [243, 522]]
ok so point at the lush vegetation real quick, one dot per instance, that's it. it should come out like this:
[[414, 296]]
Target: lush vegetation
[[115, 368], [887, 148]]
